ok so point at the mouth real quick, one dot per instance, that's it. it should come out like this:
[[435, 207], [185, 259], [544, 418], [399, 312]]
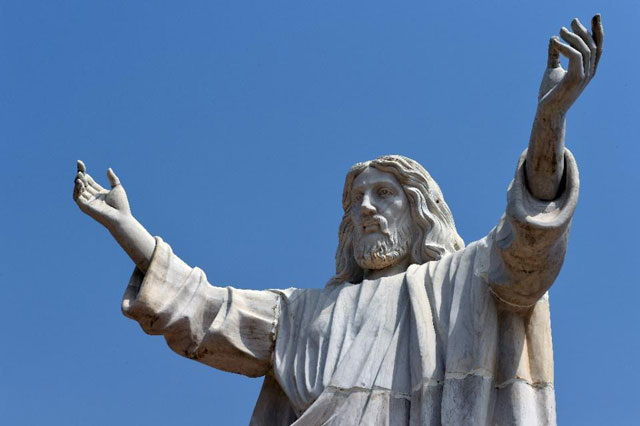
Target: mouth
[[370, 227]]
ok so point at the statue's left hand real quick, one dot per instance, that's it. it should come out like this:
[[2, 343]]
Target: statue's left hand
[[560, 88]]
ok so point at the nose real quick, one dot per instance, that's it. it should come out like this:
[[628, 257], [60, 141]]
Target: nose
[[367, 208]]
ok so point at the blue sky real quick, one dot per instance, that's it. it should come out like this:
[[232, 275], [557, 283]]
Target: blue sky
[[232, 125]]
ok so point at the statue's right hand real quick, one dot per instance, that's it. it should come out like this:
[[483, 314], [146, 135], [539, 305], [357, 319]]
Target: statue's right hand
[[109, 207]]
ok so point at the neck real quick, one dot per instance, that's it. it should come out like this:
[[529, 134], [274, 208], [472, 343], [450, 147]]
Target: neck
[[396, 268]]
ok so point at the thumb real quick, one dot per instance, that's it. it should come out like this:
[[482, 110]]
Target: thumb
[[113, 179]]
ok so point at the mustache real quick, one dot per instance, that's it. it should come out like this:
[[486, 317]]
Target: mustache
[[379, 220]]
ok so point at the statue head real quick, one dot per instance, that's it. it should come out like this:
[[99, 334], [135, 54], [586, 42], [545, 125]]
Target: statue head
[[393, 211]]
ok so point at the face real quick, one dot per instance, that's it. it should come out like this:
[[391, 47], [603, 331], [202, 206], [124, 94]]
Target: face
[[381, 217]]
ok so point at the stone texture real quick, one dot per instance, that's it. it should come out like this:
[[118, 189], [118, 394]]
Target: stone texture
[[414, 327]]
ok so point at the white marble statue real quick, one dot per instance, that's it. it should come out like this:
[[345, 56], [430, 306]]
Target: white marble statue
[[414, 328]]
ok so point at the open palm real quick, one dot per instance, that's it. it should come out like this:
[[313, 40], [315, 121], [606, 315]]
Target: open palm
[[103, 205]]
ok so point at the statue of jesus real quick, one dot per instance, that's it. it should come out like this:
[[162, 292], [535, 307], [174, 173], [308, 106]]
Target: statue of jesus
[[414, 328]]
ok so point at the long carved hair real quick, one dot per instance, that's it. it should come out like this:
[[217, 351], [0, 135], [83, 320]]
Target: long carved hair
[[431, 216]]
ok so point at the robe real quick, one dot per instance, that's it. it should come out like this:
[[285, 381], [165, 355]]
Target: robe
[[464, 340]]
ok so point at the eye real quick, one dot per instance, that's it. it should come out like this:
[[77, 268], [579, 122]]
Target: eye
[[357, 197], [384, 192]]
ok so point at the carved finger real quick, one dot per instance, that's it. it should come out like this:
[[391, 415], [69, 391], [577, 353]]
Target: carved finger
[[575, 59], [598, 37], [77, 197], [81, 177], [92, 183], [78, 188], [85, 197], [81, 166], [113, 179], [578, 44], [90, 190], [553, 60], [581, 31]]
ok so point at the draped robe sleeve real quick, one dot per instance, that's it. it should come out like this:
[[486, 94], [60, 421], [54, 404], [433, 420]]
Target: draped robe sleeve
[[499, 356], [226, 328], [530, 241]]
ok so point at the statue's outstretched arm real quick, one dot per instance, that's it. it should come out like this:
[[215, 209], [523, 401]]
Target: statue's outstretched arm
[[558, 91], [111, 209]]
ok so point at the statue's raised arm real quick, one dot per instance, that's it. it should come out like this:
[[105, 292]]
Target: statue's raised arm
[[558, 91]]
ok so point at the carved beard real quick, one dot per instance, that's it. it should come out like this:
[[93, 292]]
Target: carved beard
[[387, 249]]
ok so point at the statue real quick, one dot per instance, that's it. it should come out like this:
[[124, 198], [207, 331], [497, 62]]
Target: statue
[[414, 327]]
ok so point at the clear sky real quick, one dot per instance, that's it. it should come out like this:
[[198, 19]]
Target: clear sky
[[232, 124]]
